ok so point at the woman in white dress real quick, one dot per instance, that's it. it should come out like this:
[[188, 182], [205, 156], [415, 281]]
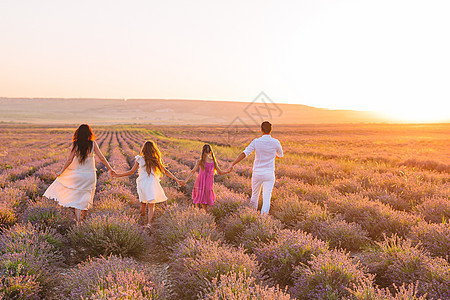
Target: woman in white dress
[[75, 185], [148, 184]]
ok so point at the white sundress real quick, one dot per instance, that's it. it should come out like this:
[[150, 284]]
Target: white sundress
[[75, 187], [148, 186]]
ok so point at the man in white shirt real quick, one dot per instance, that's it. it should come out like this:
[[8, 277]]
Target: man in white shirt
[[266, 150]]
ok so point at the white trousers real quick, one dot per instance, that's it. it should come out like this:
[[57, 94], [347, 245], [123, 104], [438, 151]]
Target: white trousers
[[266, 181]]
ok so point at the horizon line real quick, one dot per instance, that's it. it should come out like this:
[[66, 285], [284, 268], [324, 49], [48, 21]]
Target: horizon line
[[184, 99]]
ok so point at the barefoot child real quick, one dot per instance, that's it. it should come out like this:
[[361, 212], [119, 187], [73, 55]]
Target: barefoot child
[[203, 193], [149, 188]]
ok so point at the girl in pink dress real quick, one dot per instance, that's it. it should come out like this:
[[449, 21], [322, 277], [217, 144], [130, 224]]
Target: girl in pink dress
[[203, 193]]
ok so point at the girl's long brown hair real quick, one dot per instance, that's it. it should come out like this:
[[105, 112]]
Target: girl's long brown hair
[[152, 157], [205, 151], [83, 141]]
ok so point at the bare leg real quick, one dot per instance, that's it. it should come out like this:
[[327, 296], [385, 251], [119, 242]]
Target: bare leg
[[77, 215], [143, 212], [83, 215], [143, 209], [151, 212], [205, 207]]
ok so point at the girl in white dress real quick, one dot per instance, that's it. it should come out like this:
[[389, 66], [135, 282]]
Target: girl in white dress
[[75, 185], [151, 169]]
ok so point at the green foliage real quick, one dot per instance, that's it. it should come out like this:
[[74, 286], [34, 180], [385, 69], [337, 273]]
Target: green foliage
[[180, 222], [102, 235], [197, 262], [250, 228]]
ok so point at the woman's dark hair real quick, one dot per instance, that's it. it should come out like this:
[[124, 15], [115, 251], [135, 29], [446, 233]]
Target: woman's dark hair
[[205, 151], [83, 142]]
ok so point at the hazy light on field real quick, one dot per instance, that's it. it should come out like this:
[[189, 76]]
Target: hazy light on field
[[389, 56]]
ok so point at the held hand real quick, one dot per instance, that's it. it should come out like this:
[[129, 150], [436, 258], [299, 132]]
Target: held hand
[[179, 182], [112, 173]]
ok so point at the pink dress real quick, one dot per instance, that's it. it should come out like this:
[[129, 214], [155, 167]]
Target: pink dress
[[203, 188]]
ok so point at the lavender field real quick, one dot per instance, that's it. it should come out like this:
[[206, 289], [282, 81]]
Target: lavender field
[[357, 212]]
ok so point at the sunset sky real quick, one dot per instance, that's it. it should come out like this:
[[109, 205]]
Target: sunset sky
[[390, 56]]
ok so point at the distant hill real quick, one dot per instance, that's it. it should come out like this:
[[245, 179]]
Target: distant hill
[[169, 112]]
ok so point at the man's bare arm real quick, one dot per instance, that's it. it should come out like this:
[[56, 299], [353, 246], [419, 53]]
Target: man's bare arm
[[238, 159]]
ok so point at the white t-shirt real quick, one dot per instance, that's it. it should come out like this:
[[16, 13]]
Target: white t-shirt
[[266, 149]]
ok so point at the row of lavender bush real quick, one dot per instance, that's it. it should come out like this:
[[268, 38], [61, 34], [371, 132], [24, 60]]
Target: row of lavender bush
[[341, 231], [299, 248]]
